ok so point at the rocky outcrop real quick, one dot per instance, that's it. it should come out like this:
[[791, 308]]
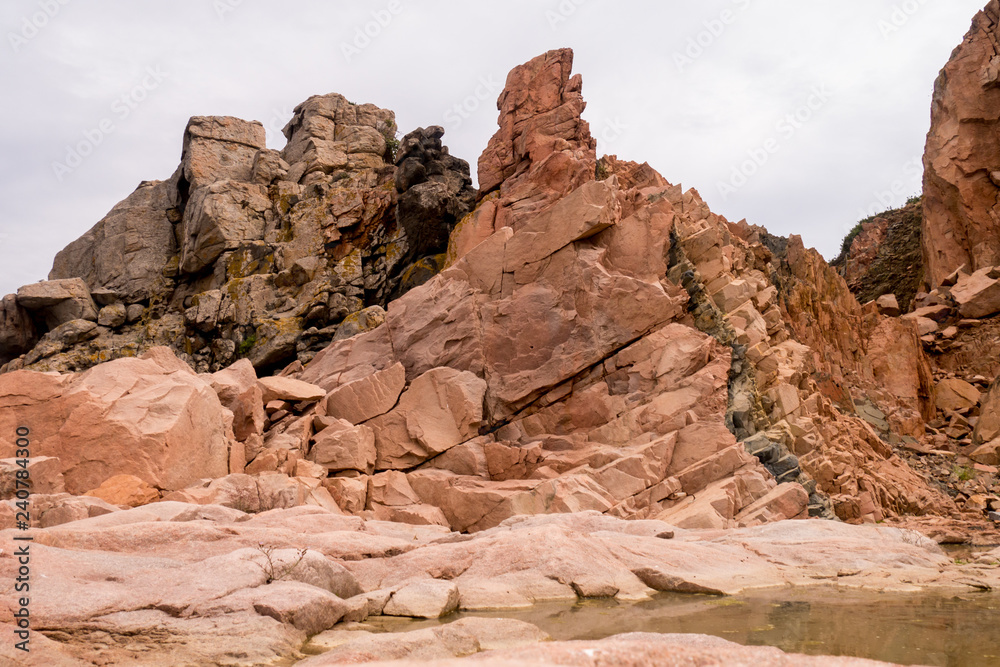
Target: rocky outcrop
[[961, 178], [247, 252], [130, 250], [596, 344], [884, 256], [542, 151], [435, 192], [383, 425]]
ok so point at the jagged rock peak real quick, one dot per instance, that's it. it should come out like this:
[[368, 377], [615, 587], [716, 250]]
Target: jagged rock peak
[[540, 109]]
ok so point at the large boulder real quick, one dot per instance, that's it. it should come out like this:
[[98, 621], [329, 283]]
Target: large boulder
[[961, 181], [128, 250], [220, 217], [988, 426], [56, 302], [328, 133], [441, 409], [219, 148], [978, 295], [150, 417]]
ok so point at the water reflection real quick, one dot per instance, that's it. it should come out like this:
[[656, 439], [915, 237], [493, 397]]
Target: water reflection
[[946, 630]]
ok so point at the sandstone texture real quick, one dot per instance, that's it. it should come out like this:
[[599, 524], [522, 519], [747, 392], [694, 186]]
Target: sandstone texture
[[960, 175], [336, 382], [176, 583]]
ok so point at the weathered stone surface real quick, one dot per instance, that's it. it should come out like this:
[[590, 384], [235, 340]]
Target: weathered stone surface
[[543, 149], [233, 381], [268, 167], [639, 649], [343, 446], [328, 132], [219, 217], [128, 250], [435, 192], [17, 330], [457, 639], [598, 349], [955, 394], [151, 417], [899, 366], [442, 408], [888, 305], [988, 426], [279, 388], [978, 295], [302, 606], [56, 302], [426, 598], [219, 148], [112, 316], [126, 490], [45, 473], [960, 224], [987, 454], [368, 397], [590, 209]]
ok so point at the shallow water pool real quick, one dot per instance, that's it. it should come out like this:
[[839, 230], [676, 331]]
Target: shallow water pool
[[922, 629]]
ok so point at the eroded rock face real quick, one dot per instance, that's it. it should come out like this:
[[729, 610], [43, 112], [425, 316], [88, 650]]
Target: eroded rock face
[[129, 249], [17, 330], [435, 192], [543, 149], [247, 252], [960, 170], [57, 302], [608, 345], [150, 417]]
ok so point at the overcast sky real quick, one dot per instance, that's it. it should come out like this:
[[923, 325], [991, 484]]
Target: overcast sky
[[799, 116]]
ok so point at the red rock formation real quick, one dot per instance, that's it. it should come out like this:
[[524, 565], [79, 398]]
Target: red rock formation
[[961, 172], [863, 251], [543, 149]]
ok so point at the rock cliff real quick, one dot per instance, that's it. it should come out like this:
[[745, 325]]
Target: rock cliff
[[961, 174], [559, 343], [343, 383]]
